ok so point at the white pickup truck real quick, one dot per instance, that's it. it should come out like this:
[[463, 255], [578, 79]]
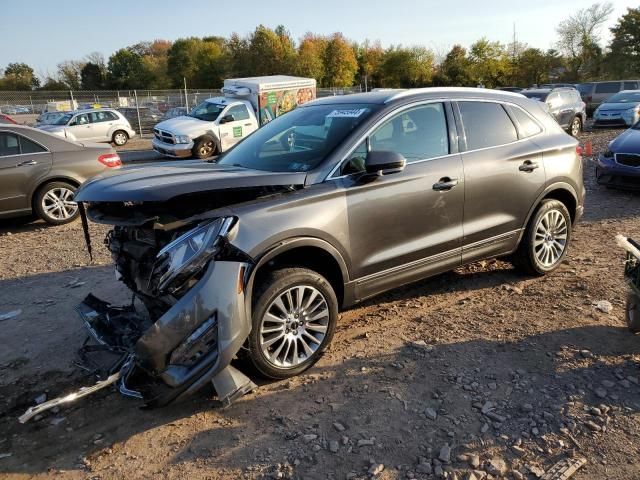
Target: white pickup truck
[[218, 123]]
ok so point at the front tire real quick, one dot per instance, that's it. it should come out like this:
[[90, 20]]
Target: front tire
[[204, 147], [546, 239], [54, 203], [120, 138], [576, 127], [295, 311]]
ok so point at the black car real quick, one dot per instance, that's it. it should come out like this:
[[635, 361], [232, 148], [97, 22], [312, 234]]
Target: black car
[[564, 104]]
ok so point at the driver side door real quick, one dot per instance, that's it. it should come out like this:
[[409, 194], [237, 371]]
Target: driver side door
[[404, 226], [81, 127], [242, 125]]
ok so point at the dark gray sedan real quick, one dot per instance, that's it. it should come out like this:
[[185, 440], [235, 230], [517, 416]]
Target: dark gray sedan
[[40, 172]]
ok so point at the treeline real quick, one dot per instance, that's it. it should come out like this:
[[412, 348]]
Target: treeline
[[335, 61]]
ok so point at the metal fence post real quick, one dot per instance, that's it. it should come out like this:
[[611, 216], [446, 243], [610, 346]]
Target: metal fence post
[[135, 95], [73, 107]]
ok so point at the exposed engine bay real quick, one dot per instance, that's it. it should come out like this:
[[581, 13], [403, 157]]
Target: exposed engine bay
[[188, 315]]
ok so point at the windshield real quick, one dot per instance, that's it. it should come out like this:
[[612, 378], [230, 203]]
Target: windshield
[[625, 97], [541, 96], [207, 111], [63, 120], [299, 140]]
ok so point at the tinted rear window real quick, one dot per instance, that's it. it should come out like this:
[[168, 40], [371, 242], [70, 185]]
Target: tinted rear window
[[630, 85], [608, 87], [584, 88], [486, 124], [526, 125]]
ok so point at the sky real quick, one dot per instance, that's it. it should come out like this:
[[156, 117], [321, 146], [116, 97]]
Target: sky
[[43, 33]]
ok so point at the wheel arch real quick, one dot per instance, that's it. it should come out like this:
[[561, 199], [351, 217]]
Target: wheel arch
[[312, 253], [45, 181]]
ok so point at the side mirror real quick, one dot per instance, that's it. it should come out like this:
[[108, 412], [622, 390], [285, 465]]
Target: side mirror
[[384, 162], [227, 119]]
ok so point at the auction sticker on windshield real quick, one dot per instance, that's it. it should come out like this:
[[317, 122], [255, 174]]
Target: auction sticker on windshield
[[351, 113]]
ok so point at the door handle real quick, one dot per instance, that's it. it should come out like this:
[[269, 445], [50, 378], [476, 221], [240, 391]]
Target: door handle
[[528, 166], [27, 162], [445, 184], [247, 124]]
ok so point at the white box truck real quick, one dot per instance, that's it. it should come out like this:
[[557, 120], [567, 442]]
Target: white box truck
[[218, 123]]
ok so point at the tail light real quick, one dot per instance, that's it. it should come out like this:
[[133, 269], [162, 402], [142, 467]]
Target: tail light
[[111, 160], [589, 98], [579, 150]]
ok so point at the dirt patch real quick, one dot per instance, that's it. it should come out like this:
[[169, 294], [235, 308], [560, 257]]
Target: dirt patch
[[480, 370]]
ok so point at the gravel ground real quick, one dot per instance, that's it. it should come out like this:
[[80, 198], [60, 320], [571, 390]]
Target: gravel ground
[[478, 373]]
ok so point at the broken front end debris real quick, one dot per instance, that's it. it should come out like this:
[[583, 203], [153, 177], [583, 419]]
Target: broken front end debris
[[188, 317]]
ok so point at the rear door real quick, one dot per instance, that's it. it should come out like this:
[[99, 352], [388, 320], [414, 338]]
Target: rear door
[[101, 123], [503, 176], [22, 163]]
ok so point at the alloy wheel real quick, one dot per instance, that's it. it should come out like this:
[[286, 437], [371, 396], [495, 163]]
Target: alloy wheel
[[120, 139], [206, 149], [575, 127], [294, 326], [550, 239], [58, 203]]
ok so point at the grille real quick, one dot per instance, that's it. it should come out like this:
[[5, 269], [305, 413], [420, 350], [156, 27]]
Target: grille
[[164, 137], [628, 159]]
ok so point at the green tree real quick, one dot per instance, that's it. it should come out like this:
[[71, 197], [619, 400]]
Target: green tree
[[19, 76], [53, 84], [532, 67], [126, 69], [92, 76], [201, 62], [270, 52], [489, 63], [579, 40], [624, 57], [370, 58], [311, 57], [340, 62], [407, 67], [69, 73], [455, 69]]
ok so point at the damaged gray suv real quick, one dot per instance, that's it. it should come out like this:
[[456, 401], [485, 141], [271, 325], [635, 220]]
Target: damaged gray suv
[[337, 201]]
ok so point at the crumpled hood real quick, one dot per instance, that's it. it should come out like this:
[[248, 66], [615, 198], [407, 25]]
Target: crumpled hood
[[616, 107], [161, 183], [626, 142], [184, 125]]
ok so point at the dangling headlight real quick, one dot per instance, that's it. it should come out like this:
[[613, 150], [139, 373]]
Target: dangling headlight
[[187, 255]]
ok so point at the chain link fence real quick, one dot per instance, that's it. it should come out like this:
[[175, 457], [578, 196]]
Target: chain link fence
[[143, 108]]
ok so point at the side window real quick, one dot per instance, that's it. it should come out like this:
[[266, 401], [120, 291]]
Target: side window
[[110, 116], [97, 117], [630, 86], [239, 112], [9, 144], [553, 100], [417, 134], [608, 87], [82, 119], [28, 146], [486, 124], [527, 127], [355, 163]]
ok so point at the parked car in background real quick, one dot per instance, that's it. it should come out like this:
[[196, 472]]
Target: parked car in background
[[148, 117], [594, 93], [556, 85], [175, 112], [40, 172], [619, 165], [564, 104], [48, 118], [510, 89], [8, 109], [95, 125], [619, 110], [330, 204], [7, 119]]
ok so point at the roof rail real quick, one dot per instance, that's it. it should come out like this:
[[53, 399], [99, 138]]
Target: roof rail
[[445, 90]]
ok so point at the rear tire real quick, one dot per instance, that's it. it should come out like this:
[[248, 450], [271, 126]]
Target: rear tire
[[120, 138], [633, 312], [546, 239], [54, 204], [284, 343], [204, 147]]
